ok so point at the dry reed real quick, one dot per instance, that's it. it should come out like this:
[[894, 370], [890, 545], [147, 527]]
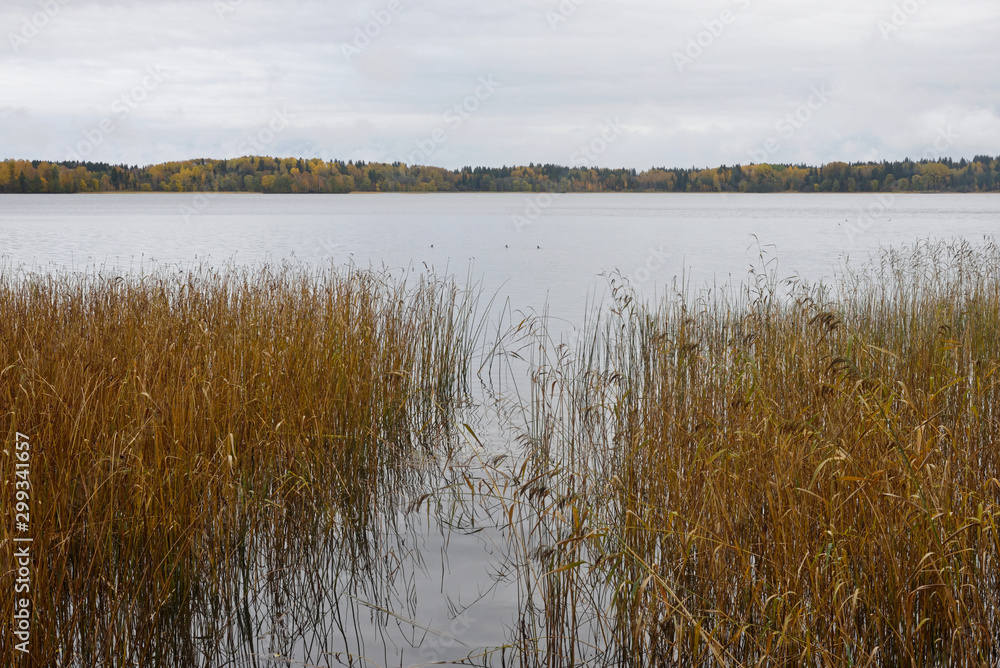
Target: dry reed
[[182, 421], [783, 475], [790, 475]]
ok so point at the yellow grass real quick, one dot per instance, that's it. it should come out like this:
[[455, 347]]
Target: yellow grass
[[782, 475], [786, 476], [176, 418]]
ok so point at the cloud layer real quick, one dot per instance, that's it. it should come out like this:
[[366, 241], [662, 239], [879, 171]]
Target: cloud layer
[[453, 83]]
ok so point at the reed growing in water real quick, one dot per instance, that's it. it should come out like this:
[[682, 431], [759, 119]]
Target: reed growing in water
[[782, 474], [182, 420], [787, 475]]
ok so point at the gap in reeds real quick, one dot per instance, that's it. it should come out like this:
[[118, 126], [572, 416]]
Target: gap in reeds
[[778, 474]]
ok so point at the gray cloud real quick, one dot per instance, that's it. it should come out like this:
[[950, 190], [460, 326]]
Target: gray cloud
[[692, 83]]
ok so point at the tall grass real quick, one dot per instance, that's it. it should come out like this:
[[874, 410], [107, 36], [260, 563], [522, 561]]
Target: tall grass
[[181, 420], [787, 475], [780, 474]]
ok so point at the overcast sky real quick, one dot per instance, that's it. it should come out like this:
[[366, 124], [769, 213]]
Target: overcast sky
[[636, 83]]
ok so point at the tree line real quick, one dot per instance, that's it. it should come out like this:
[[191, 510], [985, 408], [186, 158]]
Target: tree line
[[296, 175]]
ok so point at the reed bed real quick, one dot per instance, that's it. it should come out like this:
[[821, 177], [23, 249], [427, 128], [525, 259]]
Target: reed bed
[[231, 467], [783, 475], [186, 422]]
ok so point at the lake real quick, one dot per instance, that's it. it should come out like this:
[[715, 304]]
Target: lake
[[531, 248], [438, 586]]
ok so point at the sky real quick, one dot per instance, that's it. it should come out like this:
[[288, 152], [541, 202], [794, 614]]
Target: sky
[[610, 83]]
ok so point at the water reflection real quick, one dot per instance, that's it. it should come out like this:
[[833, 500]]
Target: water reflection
[[427, 579]]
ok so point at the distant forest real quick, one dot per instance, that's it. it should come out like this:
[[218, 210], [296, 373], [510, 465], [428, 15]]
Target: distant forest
[[296, 175]]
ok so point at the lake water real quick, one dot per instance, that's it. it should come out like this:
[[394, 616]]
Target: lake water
[[533, 249], [446, 593]]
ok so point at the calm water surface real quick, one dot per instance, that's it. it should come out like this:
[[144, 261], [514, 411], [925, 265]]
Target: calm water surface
[[531, 248], [445, 592]]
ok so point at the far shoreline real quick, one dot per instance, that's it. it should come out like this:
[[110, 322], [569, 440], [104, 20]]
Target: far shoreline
[[459, 193], [269, 175]]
